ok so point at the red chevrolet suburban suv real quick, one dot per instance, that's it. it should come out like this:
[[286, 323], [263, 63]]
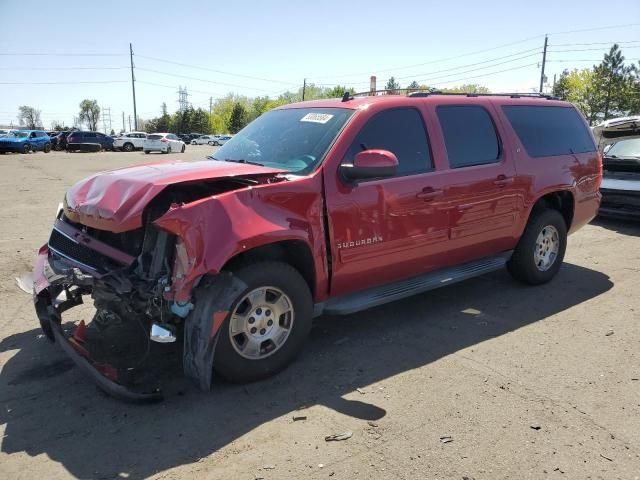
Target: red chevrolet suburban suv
[[328, 206]]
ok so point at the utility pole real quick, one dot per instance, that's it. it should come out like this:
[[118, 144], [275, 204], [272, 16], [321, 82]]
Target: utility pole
[[123, 127], [544, 61], [210, 104], [133, 88], [304, 88]]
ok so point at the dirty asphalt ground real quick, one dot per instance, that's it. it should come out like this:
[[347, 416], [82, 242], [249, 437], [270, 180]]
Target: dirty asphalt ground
[[487, 379]]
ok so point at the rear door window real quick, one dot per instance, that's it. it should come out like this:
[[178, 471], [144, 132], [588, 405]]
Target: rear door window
[[400, 131], [469, 135], [549, 131]]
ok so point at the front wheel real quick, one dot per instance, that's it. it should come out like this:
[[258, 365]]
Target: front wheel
[[146, 152], [268, 324], [128, 147], [183, 149], [26, 148], [540, 251]]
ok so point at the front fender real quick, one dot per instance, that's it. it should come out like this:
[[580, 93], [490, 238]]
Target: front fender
[[211, 231]]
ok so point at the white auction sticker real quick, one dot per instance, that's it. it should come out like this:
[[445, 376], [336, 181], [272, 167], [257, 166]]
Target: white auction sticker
[[317, 117]]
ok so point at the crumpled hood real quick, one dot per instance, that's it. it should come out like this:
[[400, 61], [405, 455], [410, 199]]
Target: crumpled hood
[[115, 200]]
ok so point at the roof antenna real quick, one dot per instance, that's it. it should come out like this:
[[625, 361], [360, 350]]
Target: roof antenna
[[347, 96]]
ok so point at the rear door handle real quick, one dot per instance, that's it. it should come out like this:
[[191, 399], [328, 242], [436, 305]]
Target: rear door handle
[[429, 193], [502, 180]]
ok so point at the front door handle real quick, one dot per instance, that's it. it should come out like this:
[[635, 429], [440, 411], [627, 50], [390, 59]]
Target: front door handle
[[503, 180], [429, 193]]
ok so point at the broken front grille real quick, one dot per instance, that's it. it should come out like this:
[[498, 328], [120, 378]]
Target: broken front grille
[[68, 248]]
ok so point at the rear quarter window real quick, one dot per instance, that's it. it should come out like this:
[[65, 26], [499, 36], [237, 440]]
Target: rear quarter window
[[469, 135], [549, 131]]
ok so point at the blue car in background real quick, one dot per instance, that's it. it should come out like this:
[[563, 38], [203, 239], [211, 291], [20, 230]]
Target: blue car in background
[[25, 141]]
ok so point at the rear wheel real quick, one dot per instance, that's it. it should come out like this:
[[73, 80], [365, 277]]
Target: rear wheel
[[183, 149], [268, 323], [128, 147], [540, 251], [168, 149], [147, 152], [47, 148]]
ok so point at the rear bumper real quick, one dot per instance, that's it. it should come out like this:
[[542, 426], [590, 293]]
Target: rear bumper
[[53, 295]]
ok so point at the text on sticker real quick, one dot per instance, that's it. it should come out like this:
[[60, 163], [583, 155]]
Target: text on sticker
[[317, 117]]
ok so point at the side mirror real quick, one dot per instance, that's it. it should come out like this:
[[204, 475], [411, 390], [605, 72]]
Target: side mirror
[[370, 164]]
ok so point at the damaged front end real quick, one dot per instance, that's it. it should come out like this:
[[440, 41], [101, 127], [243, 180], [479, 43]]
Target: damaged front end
[[125, 274], [141, 277]]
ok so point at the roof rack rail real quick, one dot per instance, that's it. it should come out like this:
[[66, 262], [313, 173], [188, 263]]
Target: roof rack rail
[[415, 92]]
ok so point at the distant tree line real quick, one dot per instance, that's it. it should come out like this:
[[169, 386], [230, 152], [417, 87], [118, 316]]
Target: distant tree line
[[608, 90]]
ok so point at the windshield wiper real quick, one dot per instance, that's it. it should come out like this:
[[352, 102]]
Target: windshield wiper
[[242, 160]]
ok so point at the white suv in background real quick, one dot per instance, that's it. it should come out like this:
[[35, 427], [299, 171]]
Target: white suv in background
[[163, 142], [129, 142]]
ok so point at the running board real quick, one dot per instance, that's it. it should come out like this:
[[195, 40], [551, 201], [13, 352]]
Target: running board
[[373, 297]]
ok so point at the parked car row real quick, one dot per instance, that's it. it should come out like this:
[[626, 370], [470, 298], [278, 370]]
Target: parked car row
[[214, 140], [25, 141]]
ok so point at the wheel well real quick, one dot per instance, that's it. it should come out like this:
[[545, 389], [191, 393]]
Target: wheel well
[[293, 252], [561, 201]]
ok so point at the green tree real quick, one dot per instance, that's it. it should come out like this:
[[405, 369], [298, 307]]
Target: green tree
[[611, 78], [29, 117], [238, 118], [89, 113], [392, 86], [338, 91], [414, 85], [467, 88]]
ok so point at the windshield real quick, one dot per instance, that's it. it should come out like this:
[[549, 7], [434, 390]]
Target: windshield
[[20, 134], [625, 148], [293, 139]]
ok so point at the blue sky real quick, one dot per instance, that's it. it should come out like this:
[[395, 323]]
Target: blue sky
[[263, 48]]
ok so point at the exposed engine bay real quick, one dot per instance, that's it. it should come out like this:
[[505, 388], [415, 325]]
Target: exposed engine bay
[[130, 277]]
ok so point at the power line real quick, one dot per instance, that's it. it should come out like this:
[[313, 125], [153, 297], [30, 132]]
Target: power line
[[472, 64], [64, 83], [64, 54], [440, 60], [63, 68], [592, 43], [487, 74], [200, 79], [595, 29], [215, 71], [590, 49]]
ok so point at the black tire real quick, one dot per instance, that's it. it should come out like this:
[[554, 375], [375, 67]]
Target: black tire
[[147, 152], [193, 142], [47, 148], [183, 149], [26, 148], [168, 149], [128, 147], [232, 366], [522, 264]]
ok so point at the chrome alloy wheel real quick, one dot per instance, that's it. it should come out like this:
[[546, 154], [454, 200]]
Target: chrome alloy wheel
[[547, 247], [261, 323]]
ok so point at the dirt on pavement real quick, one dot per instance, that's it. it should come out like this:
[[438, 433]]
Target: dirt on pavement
[[487, 379]]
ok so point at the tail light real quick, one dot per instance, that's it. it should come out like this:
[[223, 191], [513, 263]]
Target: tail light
[[600, 169], [164, 140]]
